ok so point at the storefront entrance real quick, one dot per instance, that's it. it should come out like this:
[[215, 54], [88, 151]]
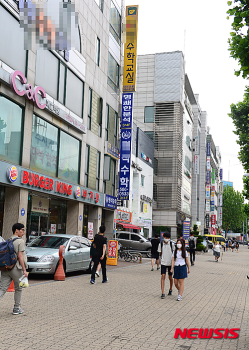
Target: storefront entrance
[[38, 224]]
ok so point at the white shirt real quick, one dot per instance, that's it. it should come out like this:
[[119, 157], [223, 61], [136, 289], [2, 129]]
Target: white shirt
[[179, 259], [217, 248], [166, 257]]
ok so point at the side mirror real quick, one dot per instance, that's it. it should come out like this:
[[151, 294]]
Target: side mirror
[[72, 247], [141, 240]]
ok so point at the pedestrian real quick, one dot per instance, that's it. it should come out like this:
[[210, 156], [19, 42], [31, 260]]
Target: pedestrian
[[229, 244], [237, 246], [181, 237], [154, 253], [18, 270], [180, 263], [92, 253], [232, 245], [192, 247], [226, 245], [166, 248], [100, 243], [216, 251]]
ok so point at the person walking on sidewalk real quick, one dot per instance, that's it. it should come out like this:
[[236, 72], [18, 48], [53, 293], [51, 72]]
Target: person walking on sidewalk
[[166, 249], [192, 247], [100, 242], [154, 253], [180, 263], [216, 251], [18, 270]]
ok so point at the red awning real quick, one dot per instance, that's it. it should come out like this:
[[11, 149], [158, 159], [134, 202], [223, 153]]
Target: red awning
[[131, 226]]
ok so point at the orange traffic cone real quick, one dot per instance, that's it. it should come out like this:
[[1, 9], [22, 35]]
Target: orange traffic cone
[[11, 287], [60, 274]]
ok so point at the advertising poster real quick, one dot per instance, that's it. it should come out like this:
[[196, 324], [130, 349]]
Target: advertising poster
[[90, 230], [213, 219], [208, 163], [112, 253], [196, 164], [208, 177], [208, 191], [208, 149], [53, 229], [186, 231], [207, 205]]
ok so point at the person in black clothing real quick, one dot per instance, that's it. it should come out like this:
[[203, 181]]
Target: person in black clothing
[[99, 242], [154, 253]]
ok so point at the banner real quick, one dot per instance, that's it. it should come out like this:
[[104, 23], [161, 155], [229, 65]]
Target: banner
[[208, 191], [110, 202], [208, 205], [208, 163], [186, 231], [126, 115], [221, 200], [196, 144], [213, 219], [221, 187], [213, 176], [125, 161], [196, 164], [221, 174], [208, 149], [208, 177], [112, 253], [207, 221]]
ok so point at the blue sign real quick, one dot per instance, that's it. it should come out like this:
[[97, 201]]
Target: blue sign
[[110, 202], [186, 229], [221, 174], [80, 217], [125, 161], [126, 115], [112, 150], [23, 212], [208, 149], [208, 177], [212, 202], [212, 207]]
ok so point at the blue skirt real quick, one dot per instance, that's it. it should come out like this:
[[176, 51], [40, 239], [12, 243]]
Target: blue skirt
[[180, 272]]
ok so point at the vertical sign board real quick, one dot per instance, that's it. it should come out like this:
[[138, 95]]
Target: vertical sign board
[[208, 191], [221, 187], [213, 176], [208, 177], [208, 163], [207, 205], [207, 220], [196, 164], [213, 219], [196, 144], [112, 253], [130, 48], [125, 162], [126, 115], [186, 231], [221, 201], [208, 149], [221, 174]]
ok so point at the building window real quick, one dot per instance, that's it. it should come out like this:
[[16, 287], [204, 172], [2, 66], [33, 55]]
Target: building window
[[142, 180], [98, 170], [11, 124], [111, 125], [113, 73], [115, 129], [113, 177], [69, 158], [97, 51], [87, 165], [100, 4], [150, 134], [74, 93], [44, 147], [89, 115], [115, 23], [141, 207], [149, 114], [188, 163], [106, 122], [95, 108]]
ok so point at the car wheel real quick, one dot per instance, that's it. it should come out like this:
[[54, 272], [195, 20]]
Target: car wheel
[[149, 253], [89, 270]]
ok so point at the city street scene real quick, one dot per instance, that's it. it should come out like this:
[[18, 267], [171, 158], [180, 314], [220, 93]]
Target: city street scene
[[124, 174]]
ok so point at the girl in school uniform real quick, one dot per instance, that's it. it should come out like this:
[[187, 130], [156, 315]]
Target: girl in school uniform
[[180, 263]]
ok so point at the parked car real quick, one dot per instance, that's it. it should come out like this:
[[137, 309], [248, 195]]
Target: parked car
[[43, 253], [133, 241]]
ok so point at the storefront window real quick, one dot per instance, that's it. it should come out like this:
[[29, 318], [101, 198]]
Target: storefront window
[[58, 216], [44, 147], [85, 221], [69, 158], [2, 196], [10, 130]]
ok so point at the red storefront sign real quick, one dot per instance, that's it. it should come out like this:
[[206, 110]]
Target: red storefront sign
[[213, 219]]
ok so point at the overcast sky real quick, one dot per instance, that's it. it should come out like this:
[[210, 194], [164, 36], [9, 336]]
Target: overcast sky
[[161, 26]]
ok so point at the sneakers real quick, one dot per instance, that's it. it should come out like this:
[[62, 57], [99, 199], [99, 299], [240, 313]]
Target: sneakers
[[170, 292], [179, 298], [158, 268], [163, 296], [18, 311], [97, 273], [104, 281], [152, 269], [92, 282]]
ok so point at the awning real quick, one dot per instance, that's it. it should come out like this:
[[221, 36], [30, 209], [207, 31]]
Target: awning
[[131, 226]]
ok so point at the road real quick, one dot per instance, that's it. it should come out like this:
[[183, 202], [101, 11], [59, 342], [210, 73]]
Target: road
[[128, 313]]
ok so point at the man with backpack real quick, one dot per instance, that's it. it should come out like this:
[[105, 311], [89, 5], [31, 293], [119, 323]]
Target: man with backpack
[[192, 247], [14, 252], [166, 249]]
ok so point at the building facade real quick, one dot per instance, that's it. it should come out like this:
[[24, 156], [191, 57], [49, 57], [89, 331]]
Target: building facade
[[59, 132]]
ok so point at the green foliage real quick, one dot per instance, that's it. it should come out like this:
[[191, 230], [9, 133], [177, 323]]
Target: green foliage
[[195, 230], [162, 229], [199, 240], [200, 247], [239, 38], [233, 209]]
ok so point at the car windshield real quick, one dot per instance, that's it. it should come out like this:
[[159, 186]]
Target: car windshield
[[49, 242]]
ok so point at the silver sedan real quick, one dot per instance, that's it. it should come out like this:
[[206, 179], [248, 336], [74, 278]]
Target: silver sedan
[[43, 253]]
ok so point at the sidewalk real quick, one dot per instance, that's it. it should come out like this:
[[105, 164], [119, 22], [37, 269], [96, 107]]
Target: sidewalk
[[128, 313]]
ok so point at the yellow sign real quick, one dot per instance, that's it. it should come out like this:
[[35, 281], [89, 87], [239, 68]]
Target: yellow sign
[[112, 253], [145, 208], [130, 48]]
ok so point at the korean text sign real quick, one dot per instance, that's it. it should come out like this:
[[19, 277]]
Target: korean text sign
[[125, 161], [112, 253], [126, 116], [186, 229], [110, 202]]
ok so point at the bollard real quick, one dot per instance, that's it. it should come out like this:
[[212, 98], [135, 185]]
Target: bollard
[[11, 287], [140, 261], [60, 273]]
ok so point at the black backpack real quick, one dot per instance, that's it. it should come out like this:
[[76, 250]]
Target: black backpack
[[191, 243], [171, 246]]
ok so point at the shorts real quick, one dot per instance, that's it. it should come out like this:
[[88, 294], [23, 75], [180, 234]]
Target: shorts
[[155, 255], [217, 254], [180, 272], [164, 269]]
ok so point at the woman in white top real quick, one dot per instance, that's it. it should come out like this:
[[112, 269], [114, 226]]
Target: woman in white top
[[180, 263], [216, 251]]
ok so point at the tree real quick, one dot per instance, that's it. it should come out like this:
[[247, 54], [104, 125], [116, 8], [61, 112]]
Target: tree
[[239, 40], [233, 209]]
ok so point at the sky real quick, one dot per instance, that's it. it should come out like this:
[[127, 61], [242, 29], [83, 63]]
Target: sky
[[161, 28]]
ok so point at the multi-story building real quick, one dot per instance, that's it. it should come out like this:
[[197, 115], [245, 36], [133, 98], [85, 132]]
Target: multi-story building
[[163, 108], [58, 146], [138, 210]]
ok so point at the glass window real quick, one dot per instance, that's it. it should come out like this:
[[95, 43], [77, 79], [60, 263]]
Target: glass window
[[100, 4], [12, 42], [97, 51], [135, 238], [150, 134], [87, 165], [69, 158], [141, 207], [61, 92], [106, 122], [10, 130], [74, 93], [113, 73], [149, 114], [47, 66], [123, 236], [89, 115], [44, 147], [116, 129], [115, 23], [113, 177], [111, 126], [98, 170], [142, 180]]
